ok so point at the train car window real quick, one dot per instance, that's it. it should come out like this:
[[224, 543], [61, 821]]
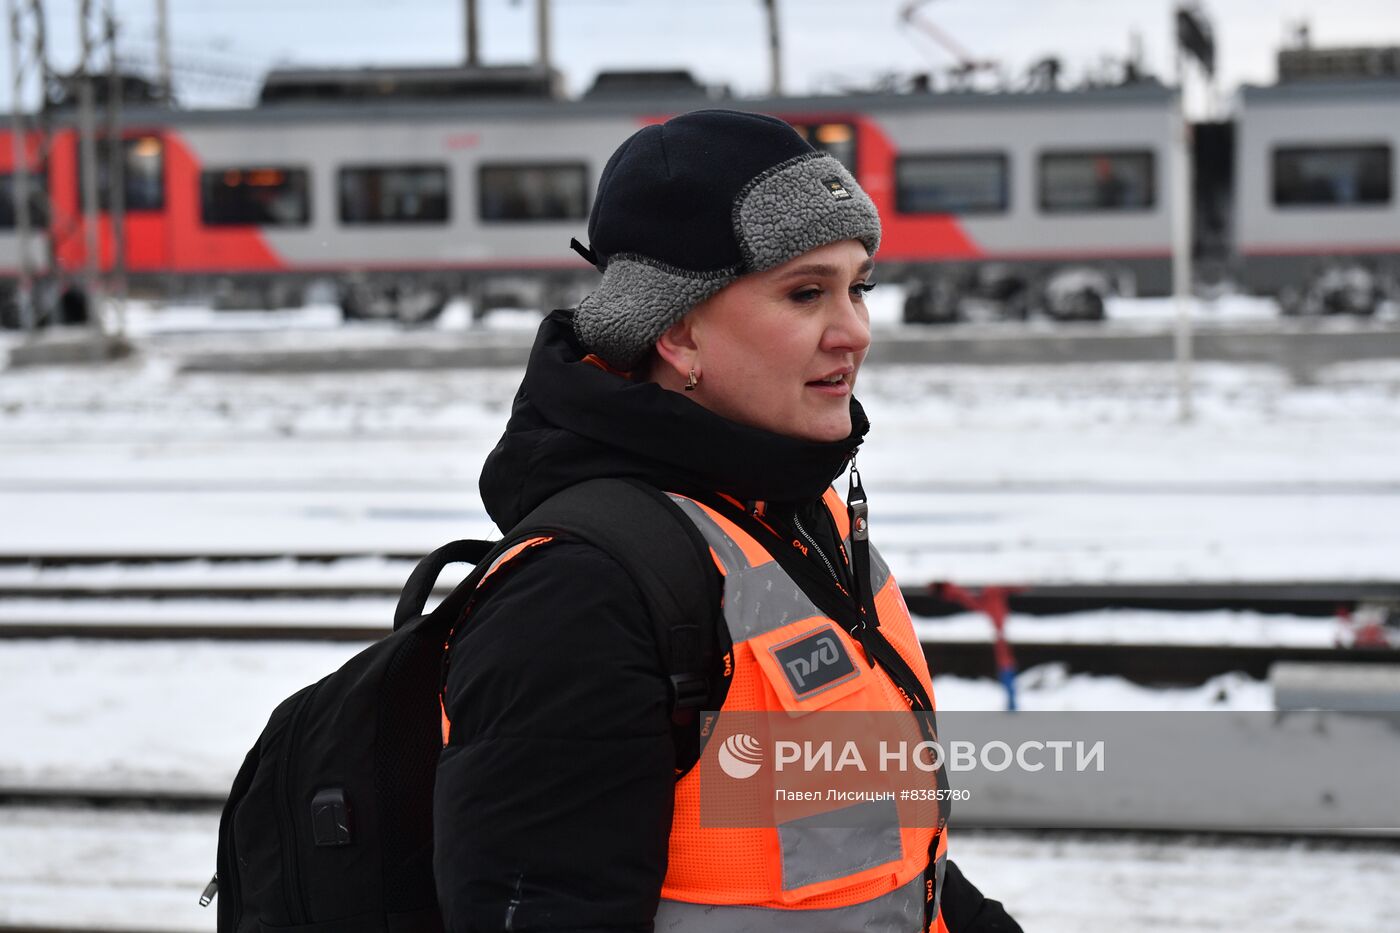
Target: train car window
[[533, 192], [261, 195], [398, 194], [961, 183], [837, 139], [1081, 182], [143, 174], [38, 200], [1340, 175]]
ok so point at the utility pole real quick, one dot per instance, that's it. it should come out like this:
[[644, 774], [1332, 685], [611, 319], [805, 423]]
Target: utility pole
[[472, 58], [775, 50], [1196, 38], [1181, 241], [542, 26], [167, 83], [29, 61], [116, 170], [87, 161], [19, 185]]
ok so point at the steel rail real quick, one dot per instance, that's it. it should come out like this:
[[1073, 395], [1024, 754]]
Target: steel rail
[[1322, 598]]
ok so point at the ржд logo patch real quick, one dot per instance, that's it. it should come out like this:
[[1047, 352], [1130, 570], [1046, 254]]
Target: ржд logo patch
[[814, 662]]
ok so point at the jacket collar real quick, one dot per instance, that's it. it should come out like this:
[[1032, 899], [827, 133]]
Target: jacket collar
[[573, 421]]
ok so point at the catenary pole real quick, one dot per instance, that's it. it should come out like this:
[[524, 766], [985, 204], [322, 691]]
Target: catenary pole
[[24, 286], [1181, 241], [775, 50], [470, 12], [87, 155], [167, 82], [116, 170], [542, 26]]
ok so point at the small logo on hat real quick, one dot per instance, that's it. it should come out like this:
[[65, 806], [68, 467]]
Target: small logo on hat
[[837, 190]]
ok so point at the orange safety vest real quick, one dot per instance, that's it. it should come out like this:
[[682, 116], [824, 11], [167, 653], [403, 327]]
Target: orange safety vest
[[755, 879]]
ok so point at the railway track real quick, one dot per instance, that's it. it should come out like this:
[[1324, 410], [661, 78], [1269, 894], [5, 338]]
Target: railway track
[[319, 596], [30, 928], [1318, 598], [139, 801], [1147, 664]]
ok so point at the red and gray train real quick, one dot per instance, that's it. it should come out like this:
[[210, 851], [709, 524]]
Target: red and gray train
[[1011, 203]]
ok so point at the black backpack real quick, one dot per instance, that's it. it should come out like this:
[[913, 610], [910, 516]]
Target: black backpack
[[328, 825]]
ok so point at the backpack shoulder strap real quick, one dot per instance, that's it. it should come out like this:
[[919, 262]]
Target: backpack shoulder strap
[[663, 552], [665, 555]]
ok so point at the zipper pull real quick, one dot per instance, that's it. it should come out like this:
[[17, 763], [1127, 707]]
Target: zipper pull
[[210, 889], [858, 507], [855, 496]]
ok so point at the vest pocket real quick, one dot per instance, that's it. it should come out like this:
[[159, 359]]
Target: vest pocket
[[812, 664], [839, 844]]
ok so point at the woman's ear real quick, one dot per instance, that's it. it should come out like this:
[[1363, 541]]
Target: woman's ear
[[677, 352]]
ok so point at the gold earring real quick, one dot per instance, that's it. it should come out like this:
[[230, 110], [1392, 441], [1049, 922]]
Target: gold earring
[[692, 382]]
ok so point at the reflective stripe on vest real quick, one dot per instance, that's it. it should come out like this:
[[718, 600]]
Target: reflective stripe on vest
[[900, 909], [864, 876]]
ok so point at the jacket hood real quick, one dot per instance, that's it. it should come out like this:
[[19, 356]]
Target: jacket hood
[[573, 421]]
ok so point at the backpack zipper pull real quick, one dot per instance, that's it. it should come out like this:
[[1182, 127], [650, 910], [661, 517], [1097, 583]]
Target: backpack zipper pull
[[210, 889]]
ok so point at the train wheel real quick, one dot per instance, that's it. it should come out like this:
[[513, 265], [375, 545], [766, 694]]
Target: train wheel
[[1093, 306], [1292, 302], [935, 302], [1085, 304], [9, 309], [420, 305], [349, 308], [360, 301], [73, 306], [1016, 305]]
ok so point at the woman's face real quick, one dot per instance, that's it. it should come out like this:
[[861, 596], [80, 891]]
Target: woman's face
[[780, 349]]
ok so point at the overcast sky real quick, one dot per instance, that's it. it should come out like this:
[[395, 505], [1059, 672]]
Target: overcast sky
[[222, 47]]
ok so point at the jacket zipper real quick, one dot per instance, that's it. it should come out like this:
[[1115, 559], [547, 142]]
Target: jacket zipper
[[291, 869], [811, 542]]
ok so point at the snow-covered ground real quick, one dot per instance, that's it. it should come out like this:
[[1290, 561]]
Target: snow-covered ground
[[1002, 474], [92, 714], [124, 871]]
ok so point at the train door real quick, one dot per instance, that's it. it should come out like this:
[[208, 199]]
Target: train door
[[138, 160]]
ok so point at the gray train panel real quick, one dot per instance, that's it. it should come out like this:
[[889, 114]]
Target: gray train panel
[[1029, 134], [461, 148], [1025, 127], [1316, 204], [9, 252], [1107, 148]]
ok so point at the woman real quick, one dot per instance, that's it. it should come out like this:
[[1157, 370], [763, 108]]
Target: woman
[[716, 360]]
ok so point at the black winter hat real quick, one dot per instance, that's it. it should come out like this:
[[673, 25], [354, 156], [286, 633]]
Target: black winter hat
[[688, 206]]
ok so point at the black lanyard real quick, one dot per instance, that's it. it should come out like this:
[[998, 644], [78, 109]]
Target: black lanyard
[[858, 614]]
